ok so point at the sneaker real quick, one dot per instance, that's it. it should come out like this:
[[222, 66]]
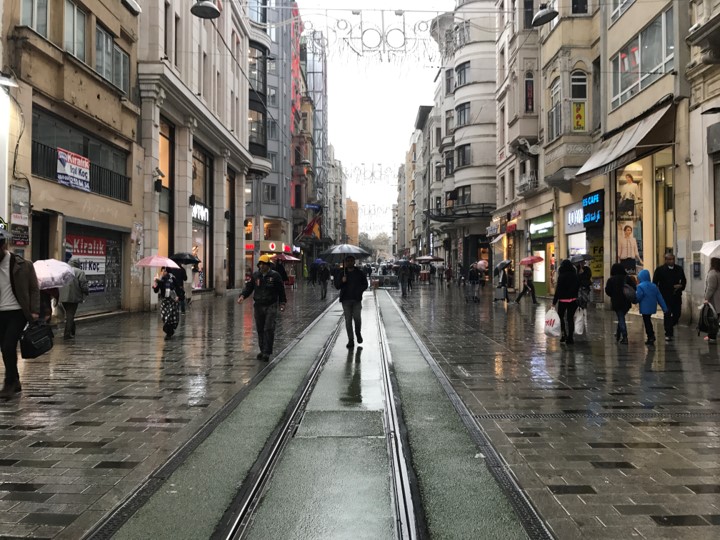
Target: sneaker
[[624, 340], [265, 358], [260, 356], [350, 344], [359, 337]]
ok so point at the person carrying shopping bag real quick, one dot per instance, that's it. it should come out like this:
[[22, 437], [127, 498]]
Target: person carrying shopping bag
[[712, 295], [648, 297], [566, 294], [615, 289]]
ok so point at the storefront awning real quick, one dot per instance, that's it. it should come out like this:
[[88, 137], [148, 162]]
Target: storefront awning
[[498, 238], [630, 145]]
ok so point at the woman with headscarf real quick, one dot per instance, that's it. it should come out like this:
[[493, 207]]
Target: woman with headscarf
[[167, 289], [566, 293]]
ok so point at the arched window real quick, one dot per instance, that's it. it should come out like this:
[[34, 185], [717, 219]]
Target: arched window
[[578, 97], [529, 92]]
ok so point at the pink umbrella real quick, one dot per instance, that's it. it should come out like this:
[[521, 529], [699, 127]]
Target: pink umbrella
[[157, 261], [285, 257], [532, 259], [52, 273], [482, 264]]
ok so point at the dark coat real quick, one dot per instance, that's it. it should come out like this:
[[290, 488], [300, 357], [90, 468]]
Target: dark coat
[[166, 283], [268, 288], [355, 286], [568, 283], [24, 285], [614, 288], [666, 279]]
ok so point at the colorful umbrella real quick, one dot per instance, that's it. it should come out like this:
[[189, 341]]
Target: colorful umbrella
[[157, 261], [52, 273], [285, 258], [482, 263], [532, 259]]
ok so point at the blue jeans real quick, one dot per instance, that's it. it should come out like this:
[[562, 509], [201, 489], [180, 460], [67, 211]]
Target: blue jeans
[[621, 324]]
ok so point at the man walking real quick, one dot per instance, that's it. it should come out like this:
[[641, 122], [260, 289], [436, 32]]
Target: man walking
[[19, 304], [71, 296], [323, 277], [352, 284], [670, 279], [528, 286], [269, 291], [404, 277]]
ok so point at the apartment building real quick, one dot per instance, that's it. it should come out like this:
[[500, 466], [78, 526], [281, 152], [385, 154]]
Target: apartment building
[[352, 225], [73, 173], [334, 211]]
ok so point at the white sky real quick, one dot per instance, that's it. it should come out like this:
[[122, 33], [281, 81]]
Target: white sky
[[372, 105]]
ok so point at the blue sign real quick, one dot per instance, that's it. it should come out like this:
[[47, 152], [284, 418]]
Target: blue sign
[[315, 207], [594, 209]]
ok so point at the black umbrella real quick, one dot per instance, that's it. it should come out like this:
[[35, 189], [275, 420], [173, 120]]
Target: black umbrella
[[502, 265], [580, 258], [184, 258]]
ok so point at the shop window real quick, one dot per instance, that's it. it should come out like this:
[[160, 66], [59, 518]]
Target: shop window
[[529, 92], [74, 30], [35, 15], [269, 193], [464, 157], [554, 122], [463, 114], [462, 73], [645, 59], [111, 62], [629, 221]]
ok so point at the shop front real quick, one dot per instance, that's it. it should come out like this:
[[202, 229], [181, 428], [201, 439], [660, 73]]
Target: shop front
[[541, 232], [100, 255], [202, 218], [593, 216]]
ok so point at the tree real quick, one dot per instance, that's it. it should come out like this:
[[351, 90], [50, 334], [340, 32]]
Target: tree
[[366, 244]]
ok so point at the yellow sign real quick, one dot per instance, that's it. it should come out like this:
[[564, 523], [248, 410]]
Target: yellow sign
[[578, 115]]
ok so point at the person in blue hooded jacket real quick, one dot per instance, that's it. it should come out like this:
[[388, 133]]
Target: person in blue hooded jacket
[[648, 297]]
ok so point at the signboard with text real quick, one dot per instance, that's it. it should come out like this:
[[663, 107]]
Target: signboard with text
[[73, 170], [594, 209], [91, 253]]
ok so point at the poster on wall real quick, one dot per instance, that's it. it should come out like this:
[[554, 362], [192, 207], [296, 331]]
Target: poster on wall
[[629, 196], [20, 215], [91, 253], [73, 170], [630, 246], [629, 219]]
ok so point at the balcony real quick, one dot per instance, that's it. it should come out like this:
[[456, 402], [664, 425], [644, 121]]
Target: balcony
[[102, 181], [528, 183]]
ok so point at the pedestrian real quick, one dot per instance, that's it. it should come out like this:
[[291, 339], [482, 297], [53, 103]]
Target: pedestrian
[[352, 284], [528, 286], [180, 275], [615, 289], [72, 295], [585, 277], [312, 275], [448, 275], [474, 281], [431, 274], [167, 289], [502, 284], [323, 277], [648, 297], [712, 294], [280, 269], [19, 305], [566, 293], [670, 279], [403, 273], [269, 292]]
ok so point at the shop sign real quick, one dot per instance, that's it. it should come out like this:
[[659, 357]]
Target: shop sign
[[542, 227], [511, 227], [578, 114], [91, 253], [594, 209], [73, 170], [315, 207], [514, 214], [269, 245], [493, 229], [200, 213], [574, 219]]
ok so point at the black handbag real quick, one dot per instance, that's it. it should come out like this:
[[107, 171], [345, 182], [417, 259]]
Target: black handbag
[[36, 340]]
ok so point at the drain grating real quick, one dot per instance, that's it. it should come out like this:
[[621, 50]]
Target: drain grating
[[590, 414]]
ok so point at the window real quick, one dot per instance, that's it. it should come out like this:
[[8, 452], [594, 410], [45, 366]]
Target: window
[[501, 192], [502, 122], [554, 123], [269, 193], [462, 71], [272, 96], [438, 136], [449, 122], [166, 30], [618, 7], [272, 157], [463, 114], [644, 59], [256, 125], [176, 52], [449, 164], [272, 67], [272, 130], [463, 156], [578, 94], [554, 4], [257, 69], [111, 62], [74, 30], [579, 6], [529, 92], [438, 203], [35, 15], [463, 196], [501, 65], [448, 81], [511, 183], [528, 13], [438, 173], [462, 34], [257, 11]]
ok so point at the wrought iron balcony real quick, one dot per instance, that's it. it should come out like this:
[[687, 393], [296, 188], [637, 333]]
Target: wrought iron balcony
[[528, 183], [102, 181]]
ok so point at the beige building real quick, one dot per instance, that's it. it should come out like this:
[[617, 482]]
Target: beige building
[[75, 174], [352, 225]]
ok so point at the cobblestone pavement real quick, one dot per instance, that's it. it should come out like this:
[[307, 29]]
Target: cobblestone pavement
[[609, 441], [99, 413]]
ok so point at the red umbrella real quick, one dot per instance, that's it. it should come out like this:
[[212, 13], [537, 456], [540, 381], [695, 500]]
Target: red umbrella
[[529, 261], [284, 257]]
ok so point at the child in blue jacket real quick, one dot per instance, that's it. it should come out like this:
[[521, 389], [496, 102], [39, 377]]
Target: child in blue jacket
[[648, 297]]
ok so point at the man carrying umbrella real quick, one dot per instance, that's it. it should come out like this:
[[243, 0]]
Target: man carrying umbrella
[[19, 304], [269, 289], [352, 283]]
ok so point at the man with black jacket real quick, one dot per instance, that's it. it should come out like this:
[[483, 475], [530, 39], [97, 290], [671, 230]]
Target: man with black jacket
[[269, 289], [352, 283], [670, 279]]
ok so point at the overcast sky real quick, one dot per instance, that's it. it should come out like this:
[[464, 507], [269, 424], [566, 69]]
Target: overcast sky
[[373, 99]]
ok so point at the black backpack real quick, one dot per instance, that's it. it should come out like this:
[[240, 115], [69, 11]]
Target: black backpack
[[708, 321]]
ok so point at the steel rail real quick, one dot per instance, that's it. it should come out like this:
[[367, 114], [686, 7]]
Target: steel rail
[[237, 518]]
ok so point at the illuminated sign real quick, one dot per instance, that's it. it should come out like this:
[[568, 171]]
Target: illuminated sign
[[545, 226], [574, 219], [200, 213], [593, 209], [542, 227]]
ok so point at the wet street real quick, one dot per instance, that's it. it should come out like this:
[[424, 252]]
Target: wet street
[[606, 440]]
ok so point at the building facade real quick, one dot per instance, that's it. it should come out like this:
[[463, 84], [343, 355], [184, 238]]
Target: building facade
[[351, 222]]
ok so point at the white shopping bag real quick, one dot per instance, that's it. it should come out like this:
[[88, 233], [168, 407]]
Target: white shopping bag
[[580, 321], [552, 323]]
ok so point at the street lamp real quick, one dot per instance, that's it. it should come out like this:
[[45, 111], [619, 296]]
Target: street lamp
[[544, 15], [205, 9]]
